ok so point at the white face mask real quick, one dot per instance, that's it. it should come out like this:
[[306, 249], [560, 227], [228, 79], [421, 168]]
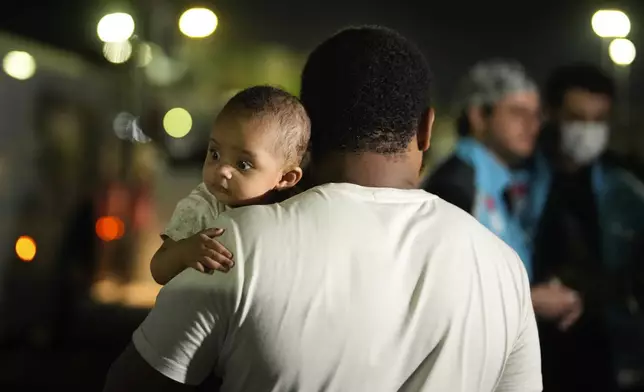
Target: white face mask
[[583, 141]]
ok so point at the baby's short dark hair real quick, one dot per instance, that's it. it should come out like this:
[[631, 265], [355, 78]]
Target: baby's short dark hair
[[282, 108]]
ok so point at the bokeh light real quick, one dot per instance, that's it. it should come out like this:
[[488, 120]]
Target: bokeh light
[[110, 228], [177, 122], [26, 248], [144, 55], [116, 27], [198, 22], [622, 51], [19, 65], [611, 24], [117, 52]]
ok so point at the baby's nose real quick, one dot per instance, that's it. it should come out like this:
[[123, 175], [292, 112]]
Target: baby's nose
[[226, 172]]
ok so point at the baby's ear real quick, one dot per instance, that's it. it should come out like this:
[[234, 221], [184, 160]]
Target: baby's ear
[[290, 178]]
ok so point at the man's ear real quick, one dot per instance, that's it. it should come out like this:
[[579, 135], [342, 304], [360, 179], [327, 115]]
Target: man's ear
[[477, 120], [290, 178], [424, 133]]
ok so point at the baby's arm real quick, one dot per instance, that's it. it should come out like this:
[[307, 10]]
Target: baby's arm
[[189, 243], [166, 263], [200, 251]]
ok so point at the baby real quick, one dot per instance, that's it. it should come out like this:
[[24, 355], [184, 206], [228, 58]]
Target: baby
[[254, 156]]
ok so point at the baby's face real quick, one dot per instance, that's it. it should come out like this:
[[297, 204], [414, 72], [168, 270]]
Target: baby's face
[[242, 165]]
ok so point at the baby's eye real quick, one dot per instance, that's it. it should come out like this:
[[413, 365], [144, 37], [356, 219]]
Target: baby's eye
[[244, 165], [214, 154]]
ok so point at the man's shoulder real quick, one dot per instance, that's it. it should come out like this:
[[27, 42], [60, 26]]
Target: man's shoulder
[[261, 219], [463, 231], [455, 219]]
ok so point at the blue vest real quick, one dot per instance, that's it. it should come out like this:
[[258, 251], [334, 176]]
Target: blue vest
[[491, 180]]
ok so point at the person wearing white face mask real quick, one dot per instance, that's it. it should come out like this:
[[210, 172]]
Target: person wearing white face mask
[[583, 203], [583, 141]]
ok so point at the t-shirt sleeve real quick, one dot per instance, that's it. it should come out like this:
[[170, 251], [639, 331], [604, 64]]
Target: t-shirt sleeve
[[191, 216], [184, 333], [522, 372]]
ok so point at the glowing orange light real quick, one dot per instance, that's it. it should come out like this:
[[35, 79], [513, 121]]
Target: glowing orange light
[[110, 228], [26, 248]]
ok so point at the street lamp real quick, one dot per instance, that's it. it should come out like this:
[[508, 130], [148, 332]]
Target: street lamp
[[611, 24], [622, 52], [198, 23], [19, 65], [117, 52], [116, 27]]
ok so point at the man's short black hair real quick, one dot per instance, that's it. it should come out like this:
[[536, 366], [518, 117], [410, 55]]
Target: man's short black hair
[[580, 75], [281, 107], [365, 90]]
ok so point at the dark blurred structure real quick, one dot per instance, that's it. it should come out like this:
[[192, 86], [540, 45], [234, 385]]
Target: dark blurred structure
[[54, 129]]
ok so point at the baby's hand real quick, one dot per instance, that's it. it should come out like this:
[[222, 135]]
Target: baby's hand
[[203, 253]]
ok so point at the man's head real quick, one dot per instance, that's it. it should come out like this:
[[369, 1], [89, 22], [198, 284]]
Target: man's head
[[579, 100], [499, 106], [367, 92], [256, 146]]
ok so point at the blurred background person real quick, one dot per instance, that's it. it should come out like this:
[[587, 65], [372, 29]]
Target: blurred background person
[[498, 128], [498, 124], [587, 207]]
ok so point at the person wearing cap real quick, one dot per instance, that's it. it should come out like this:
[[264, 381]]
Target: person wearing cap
[[498, 125]]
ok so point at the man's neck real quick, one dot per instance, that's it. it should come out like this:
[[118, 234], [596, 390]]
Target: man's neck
[[500, 158], [368, 169], [506, 160]]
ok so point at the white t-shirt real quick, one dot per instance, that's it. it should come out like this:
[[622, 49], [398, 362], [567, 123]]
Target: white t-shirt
[[348, 288], [194, 213]]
